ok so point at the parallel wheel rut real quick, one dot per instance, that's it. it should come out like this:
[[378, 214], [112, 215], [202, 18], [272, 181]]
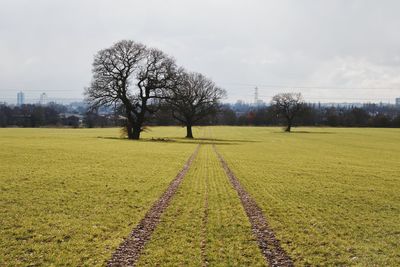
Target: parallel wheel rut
[[269, 245], [131, 248]]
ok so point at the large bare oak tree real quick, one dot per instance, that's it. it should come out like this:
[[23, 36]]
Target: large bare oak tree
[[193, 98], [132, 76], [288, 106]]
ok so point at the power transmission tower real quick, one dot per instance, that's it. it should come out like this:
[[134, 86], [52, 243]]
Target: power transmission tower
[[255, 96]]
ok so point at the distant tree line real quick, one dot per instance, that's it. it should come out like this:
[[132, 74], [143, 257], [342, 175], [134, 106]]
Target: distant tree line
[[30, 115], [55, 115], [370, 115]]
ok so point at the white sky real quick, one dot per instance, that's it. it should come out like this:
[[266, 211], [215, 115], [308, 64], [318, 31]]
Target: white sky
[[331, 51]]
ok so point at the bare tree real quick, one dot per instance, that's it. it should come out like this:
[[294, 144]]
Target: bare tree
[[288, 106], [193, 98], [130, 75]]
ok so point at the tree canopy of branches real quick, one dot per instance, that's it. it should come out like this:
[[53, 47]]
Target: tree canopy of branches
[[132, 76], [194, 98], [288, 106]]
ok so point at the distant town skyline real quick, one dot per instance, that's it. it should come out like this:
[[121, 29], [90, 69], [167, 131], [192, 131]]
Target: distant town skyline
[[43, 99], [330, 51]]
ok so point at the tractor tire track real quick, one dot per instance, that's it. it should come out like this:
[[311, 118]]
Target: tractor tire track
[[130, 249], [269, 245], [204, 226]]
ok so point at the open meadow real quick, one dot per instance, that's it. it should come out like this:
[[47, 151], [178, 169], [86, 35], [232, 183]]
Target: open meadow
[[330, 195]]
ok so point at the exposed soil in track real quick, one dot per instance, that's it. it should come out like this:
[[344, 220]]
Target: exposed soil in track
[[130, 249], [267, 241], [204, 228]]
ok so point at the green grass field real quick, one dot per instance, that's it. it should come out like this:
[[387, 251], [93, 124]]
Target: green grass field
[[331, 195], [227, 233], [69, 196]]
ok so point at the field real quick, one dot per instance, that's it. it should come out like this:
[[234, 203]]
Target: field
[[331, 195], [205, 189], [69, 197]]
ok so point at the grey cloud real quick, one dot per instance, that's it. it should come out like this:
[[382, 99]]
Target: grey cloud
[[49, 45]]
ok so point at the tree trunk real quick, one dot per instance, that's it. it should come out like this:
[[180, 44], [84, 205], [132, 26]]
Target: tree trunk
[[136, 133], [137, 128], [189, 133], [129, 129], [289, 126], [134, 126]]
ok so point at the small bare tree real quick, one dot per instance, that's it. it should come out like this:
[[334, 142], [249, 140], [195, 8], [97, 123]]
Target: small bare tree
[[288, 106], [193, 98], [132, 76]]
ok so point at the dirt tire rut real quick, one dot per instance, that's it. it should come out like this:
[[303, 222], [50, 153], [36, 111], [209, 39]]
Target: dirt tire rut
[[269, 245], [130, 249]]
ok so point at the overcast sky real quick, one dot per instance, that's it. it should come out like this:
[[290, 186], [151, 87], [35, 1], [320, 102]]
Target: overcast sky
[[331, 51]]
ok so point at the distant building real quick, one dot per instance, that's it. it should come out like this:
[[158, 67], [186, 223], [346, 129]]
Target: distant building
[[398, 101], [74, 120], [20, 99], [259, 103], [43, 99]]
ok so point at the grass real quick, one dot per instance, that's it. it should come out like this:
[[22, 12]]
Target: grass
[[331, 195], [68, 197], [225, 233]]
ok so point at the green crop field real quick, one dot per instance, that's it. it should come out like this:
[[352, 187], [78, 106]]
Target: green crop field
[[226, 235], [70, 196], [331, 195]]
